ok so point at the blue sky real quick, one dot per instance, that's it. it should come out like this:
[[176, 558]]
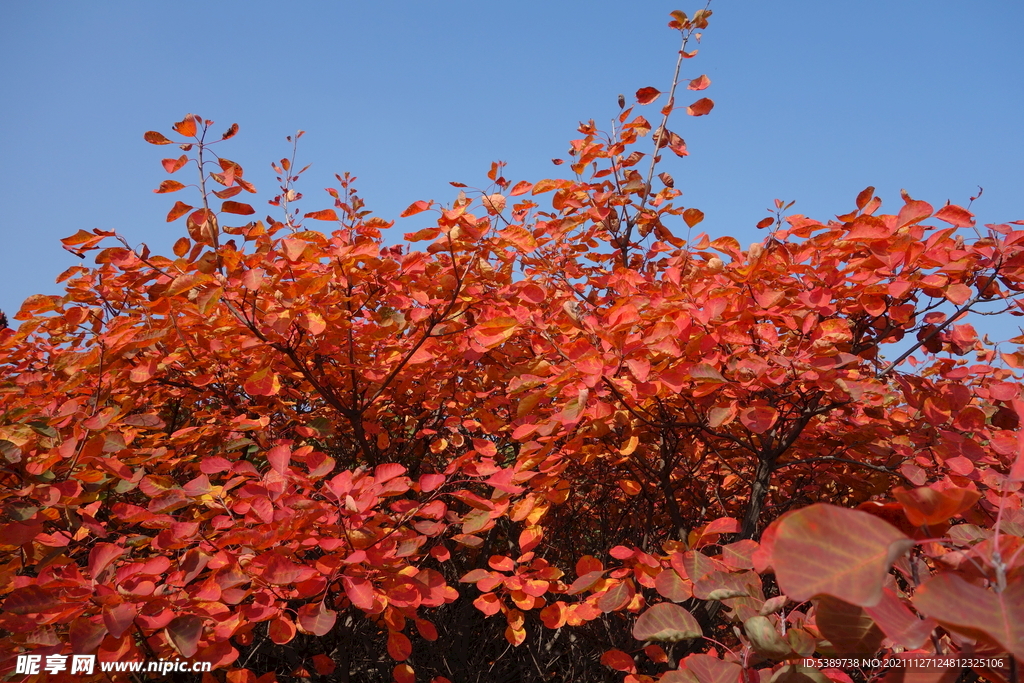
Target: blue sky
[[814, 101]]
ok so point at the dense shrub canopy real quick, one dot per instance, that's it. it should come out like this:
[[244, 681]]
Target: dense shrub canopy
[[544, 438]]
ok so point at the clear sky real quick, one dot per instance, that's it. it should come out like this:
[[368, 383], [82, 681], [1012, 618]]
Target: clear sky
[[814, 101]]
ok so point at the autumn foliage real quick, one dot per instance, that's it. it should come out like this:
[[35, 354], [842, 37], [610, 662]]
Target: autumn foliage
[[551, 435]]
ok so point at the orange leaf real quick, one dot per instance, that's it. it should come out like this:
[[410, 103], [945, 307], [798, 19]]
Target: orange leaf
[[699, 83], [958, 293], [177, 211], [312, 321], [693, 216], [545, 185], [155, 138], [415, 208], [494, 332], [187, 281], [263, 382], [186, 126], [647, 95], [700, 107], [926, 505], [865, 196], [169, 186], [237, 208], [325, 215], [230, 132]]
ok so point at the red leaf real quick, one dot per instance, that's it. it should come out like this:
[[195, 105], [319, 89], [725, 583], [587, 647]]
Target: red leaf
[[184, 632], [678, 147], [279, 458], [280, 571], [522, 187], [619, 660], [699, 83], [672, 586], [281, 630], [700, 107], [399, 646], [827, 550], [237, 208], [230, 132], [323, 664], [530, 538], [765, 222], [759, 419], [493, 332], [415, 208], [155, 138], [359, 591], [666, 622], [849, 628], [30, 600], [172, 165], [101, 555], [325, 215], [86, 634], [387, 472], [722, 525], [177, 211], [913, 211], [554, 615], [647, 95], [585, 582], [617, 597], [403, 673], [119, 618], [971, 610], [955, 215], [865, 196], [169, 186], [501, 563], [316, 619], [429, 482], [899, 623]]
